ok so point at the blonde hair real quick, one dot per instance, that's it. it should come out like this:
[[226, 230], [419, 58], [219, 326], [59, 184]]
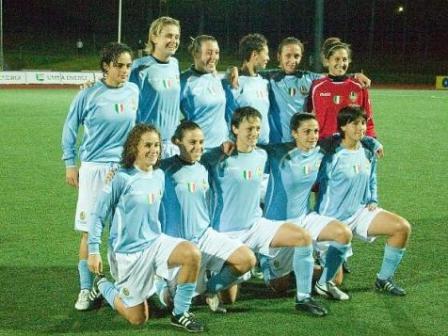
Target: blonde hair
[[156, 28]]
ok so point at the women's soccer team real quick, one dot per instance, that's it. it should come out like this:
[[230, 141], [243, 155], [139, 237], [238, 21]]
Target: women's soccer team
[[191, 207]]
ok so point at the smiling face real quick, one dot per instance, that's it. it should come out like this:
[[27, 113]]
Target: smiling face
[[207, 58], [148, 151], [306, 135], [118, 70], [247, 133], [167, 42], [191, 146], [289, 58], [338, 62]]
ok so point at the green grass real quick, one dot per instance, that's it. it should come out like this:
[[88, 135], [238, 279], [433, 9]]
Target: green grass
[[38, 247]]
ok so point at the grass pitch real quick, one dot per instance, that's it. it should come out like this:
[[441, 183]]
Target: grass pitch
[[38, 247]]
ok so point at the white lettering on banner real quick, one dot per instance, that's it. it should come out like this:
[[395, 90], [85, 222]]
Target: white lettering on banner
[[12, 77], [47, 77]]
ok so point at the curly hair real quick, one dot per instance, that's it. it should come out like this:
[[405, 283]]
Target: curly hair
[[110, 53], [130, 147]]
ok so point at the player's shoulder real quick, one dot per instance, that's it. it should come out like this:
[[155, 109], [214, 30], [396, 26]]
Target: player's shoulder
[[168, 163]]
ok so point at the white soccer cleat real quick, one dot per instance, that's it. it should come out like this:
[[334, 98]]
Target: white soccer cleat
[[83, 302], [215, 304], [330, 290]]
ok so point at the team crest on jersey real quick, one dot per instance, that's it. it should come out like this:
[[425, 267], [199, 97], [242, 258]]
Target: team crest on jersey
[[212, 90], [119, 108], [353, 96], [133, 104], [276, 264], [304, 90], [204, 184], [337, 100], [82, 215], [292, 91], [125, 291], [357, 168], [261, 94]]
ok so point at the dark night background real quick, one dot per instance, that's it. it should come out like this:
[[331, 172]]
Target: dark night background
[[414, 40]]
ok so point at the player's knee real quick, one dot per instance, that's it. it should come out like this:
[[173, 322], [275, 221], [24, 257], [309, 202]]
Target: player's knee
[[403, 227], [302, 237], [192, 255], [249, 260], [343, 234], [136, 319]]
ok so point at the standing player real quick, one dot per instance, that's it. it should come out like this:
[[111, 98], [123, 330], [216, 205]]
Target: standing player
[[107, 110], [202, 96], [337, 90], [186, 215], [157, 77], [237, 210], [348, 192], [253, 89], [289, 88], [139, 248]]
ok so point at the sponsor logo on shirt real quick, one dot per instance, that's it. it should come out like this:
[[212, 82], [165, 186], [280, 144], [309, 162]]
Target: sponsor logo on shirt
[[325, 94]]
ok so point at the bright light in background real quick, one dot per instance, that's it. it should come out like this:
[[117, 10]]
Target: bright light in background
[[400, 9]]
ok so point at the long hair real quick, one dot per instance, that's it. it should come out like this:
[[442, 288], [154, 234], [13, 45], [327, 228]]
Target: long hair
[[130, 147]]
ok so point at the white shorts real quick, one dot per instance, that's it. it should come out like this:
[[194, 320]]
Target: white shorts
[[216, 248], [313, 223], [92, 178], [359, 224], [136, 272], [281, 265], [259, 237]]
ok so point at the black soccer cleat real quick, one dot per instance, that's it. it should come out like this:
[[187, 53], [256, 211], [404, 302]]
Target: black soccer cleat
[[388, 286], [187, 321], [95, 297], [311, 306]]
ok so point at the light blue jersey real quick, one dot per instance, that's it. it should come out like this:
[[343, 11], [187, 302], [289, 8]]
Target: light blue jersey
[[159, 85], [288, 94], [235, 181], [185, 211], [347, 182], [203, 101], [107, 114], [132, 200], [292, 175], [252, 91]]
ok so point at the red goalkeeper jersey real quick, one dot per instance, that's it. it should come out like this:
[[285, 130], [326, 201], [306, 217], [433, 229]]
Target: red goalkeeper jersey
[[330, 94]]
